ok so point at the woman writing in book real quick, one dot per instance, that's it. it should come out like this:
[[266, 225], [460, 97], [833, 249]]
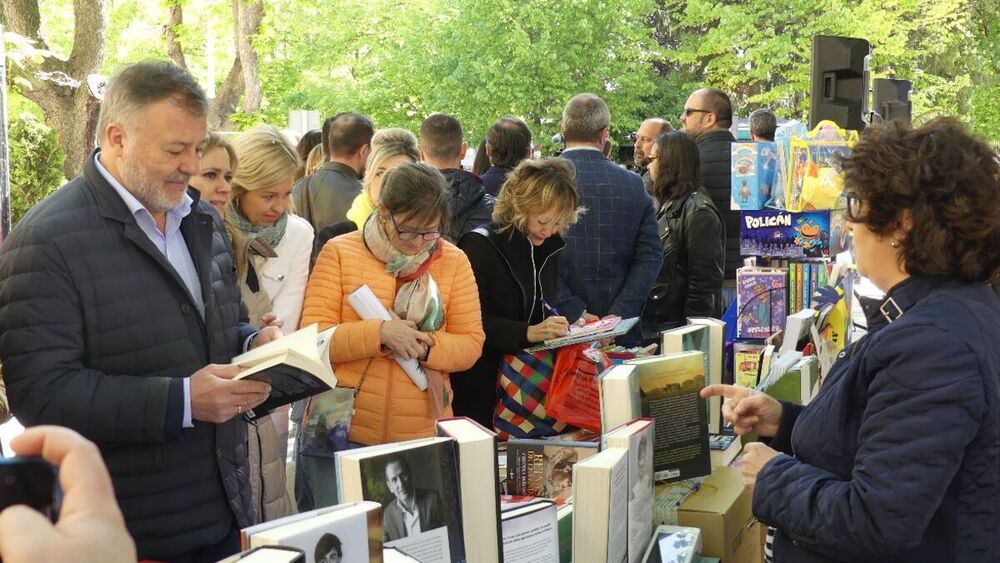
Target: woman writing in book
[[272, 264], [427, 286], [516, 263], [692, 237], [898, 456]]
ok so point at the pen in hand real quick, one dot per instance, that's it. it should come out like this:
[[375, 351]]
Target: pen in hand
[[552, 310]]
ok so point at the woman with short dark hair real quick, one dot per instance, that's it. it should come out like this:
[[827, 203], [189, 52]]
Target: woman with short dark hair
[[898, 456], [691, 235], [426, 284]]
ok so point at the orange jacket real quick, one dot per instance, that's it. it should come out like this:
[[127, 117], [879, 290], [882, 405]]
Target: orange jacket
[[389, 407]]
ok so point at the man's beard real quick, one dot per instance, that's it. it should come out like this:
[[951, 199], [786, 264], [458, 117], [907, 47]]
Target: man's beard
[[151, 193]]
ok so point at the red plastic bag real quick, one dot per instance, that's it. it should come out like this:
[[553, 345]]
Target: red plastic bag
[[574, 394]]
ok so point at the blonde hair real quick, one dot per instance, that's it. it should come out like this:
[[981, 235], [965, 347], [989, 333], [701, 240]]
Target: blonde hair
[[266, 157], [385, 144], [538, 185], [315, 159], [215, 140]]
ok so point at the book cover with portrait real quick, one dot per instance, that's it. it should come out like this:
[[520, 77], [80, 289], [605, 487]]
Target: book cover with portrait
[[417, 484]]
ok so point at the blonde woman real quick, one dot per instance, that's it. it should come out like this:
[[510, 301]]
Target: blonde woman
[[273, 267], [314, 160], [390, 148], [516, 262], [215, 176]]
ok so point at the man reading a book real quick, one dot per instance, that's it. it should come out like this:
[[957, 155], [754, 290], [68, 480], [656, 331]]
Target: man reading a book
[[413, 510], [122, 314]]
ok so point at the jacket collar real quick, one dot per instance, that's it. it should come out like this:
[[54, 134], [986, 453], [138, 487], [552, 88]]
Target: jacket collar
[[715, 135], [516, 241], [340, 167], [583, 153], [899, 299]]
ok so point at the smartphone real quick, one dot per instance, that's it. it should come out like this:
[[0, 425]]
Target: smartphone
[[30, 481]]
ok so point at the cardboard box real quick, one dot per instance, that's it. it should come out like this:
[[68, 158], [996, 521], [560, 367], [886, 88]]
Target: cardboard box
[[721, 509]]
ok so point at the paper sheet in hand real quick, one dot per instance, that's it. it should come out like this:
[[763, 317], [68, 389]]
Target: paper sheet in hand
[[368, 307]]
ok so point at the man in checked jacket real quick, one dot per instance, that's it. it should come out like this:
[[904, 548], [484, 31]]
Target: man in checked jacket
[[612, 254]]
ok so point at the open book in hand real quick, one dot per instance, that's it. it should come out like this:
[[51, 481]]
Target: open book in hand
[[607, 327], [296, 366]]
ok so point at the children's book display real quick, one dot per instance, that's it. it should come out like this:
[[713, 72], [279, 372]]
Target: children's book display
[[754, 166]]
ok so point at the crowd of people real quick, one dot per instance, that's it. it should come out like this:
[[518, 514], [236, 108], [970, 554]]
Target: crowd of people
[[125, 295]]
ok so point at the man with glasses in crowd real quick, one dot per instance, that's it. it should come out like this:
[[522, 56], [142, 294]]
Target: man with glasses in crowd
[[707, 117], [644, 139]]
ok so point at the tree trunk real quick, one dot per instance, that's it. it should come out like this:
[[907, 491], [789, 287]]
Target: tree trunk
[[60, 87]]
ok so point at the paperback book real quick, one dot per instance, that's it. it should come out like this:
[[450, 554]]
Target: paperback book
[[544, 468]]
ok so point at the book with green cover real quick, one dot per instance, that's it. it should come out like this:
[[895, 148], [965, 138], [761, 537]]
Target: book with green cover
[[746, 363], [799, 384], [668, 392]]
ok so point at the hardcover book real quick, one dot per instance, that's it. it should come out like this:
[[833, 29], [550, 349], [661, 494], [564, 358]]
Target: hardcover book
[[417, 484], [544, 468], [600, 497], [668, 392], [760, 302], [637, 438], [352, 531]]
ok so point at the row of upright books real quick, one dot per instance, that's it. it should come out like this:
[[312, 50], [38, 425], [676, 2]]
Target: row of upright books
[[767, 295]]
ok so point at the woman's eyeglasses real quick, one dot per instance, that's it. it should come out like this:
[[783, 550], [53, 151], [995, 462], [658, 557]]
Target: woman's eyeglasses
[[413, 235], [854, 204]]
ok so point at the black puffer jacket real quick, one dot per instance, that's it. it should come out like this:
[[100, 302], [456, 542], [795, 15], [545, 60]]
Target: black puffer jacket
[[690, 281], [469, 203], [97, 332], [715, 150]]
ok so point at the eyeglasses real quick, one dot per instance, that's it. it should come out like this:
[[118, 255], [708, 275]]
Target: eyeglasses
[[688, 111], [413, 235], [854, 203]]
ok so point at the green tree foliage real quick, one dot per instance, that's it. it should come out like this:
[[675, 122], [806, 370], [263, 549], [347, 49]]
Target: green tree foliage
[[36, 163], [399, 61]]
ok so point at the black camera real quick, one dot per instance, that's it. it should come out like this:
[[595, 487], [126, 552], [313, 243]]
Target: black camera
[[30, 481]]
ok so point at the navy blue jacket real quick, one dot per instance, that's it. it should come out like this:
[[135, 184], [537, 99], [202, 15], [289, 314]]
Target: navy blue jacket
[[613, 253], [898, 456]]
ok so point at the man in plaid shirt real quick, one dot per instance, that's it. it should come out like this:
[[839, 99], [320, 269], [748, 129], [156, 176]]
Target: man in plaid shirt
[[612, 254]]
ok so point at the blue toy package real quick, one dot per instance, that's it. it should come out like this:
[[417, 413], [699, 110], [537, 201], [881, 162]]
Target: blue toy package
[[754, 167], [785, 234]]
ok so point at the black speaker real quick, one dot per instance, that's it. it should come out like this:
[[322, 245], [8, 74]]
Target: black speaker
[[892, 99], [839, 81]]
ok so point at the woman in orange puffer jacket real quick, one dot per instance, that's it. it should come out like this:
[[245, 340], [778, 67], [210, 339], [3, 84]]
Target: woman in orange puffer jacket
[[420, 278]]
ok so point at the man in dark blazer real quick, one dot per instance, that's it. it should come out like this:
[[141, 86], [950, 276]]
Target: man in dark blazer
[[612, 254], [120, 313], [414, 510]]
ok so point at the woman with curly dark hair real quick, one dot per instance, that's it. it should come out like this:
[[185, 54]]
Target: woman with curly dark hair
[[898, 456]]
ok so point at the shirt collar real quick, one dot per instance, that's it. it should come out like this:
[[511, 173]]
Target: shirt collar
[[134, 205], [582, 148]]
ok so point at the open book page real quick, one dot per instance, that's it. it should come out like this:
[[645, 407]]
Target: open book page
[[368, 307], [304, 341]]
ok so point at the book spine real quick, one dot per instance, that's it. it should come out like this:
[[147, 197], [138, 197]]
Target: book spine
[[792, 293], [805, 285]]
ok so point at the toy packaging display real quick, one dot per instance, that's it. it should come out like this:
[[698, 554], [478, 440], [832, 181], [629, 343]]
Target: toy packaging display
[[785, 234], [753, 172], [761, 302], [814, 179]]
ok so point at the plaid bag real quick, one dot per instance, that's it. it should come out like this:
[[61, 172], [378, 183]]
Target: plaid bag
[[523, 382]]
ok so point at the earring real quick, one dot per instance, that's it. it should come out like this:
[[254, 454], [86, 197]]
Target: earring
[[894, 244]]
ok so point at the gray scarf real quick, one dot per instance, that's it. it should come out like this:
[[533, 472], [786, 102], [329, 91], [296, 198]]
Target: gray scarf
[[271, 235]]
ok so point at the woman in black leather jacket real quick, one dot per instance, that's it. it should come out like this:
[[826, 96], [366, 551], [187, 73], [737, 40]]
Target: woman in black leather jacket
[[692, 237]]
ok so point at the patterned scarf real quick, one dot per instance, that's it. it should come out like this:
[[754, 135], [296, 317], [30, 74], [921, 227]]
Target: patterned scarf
[[418, 299], [271, 235]]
